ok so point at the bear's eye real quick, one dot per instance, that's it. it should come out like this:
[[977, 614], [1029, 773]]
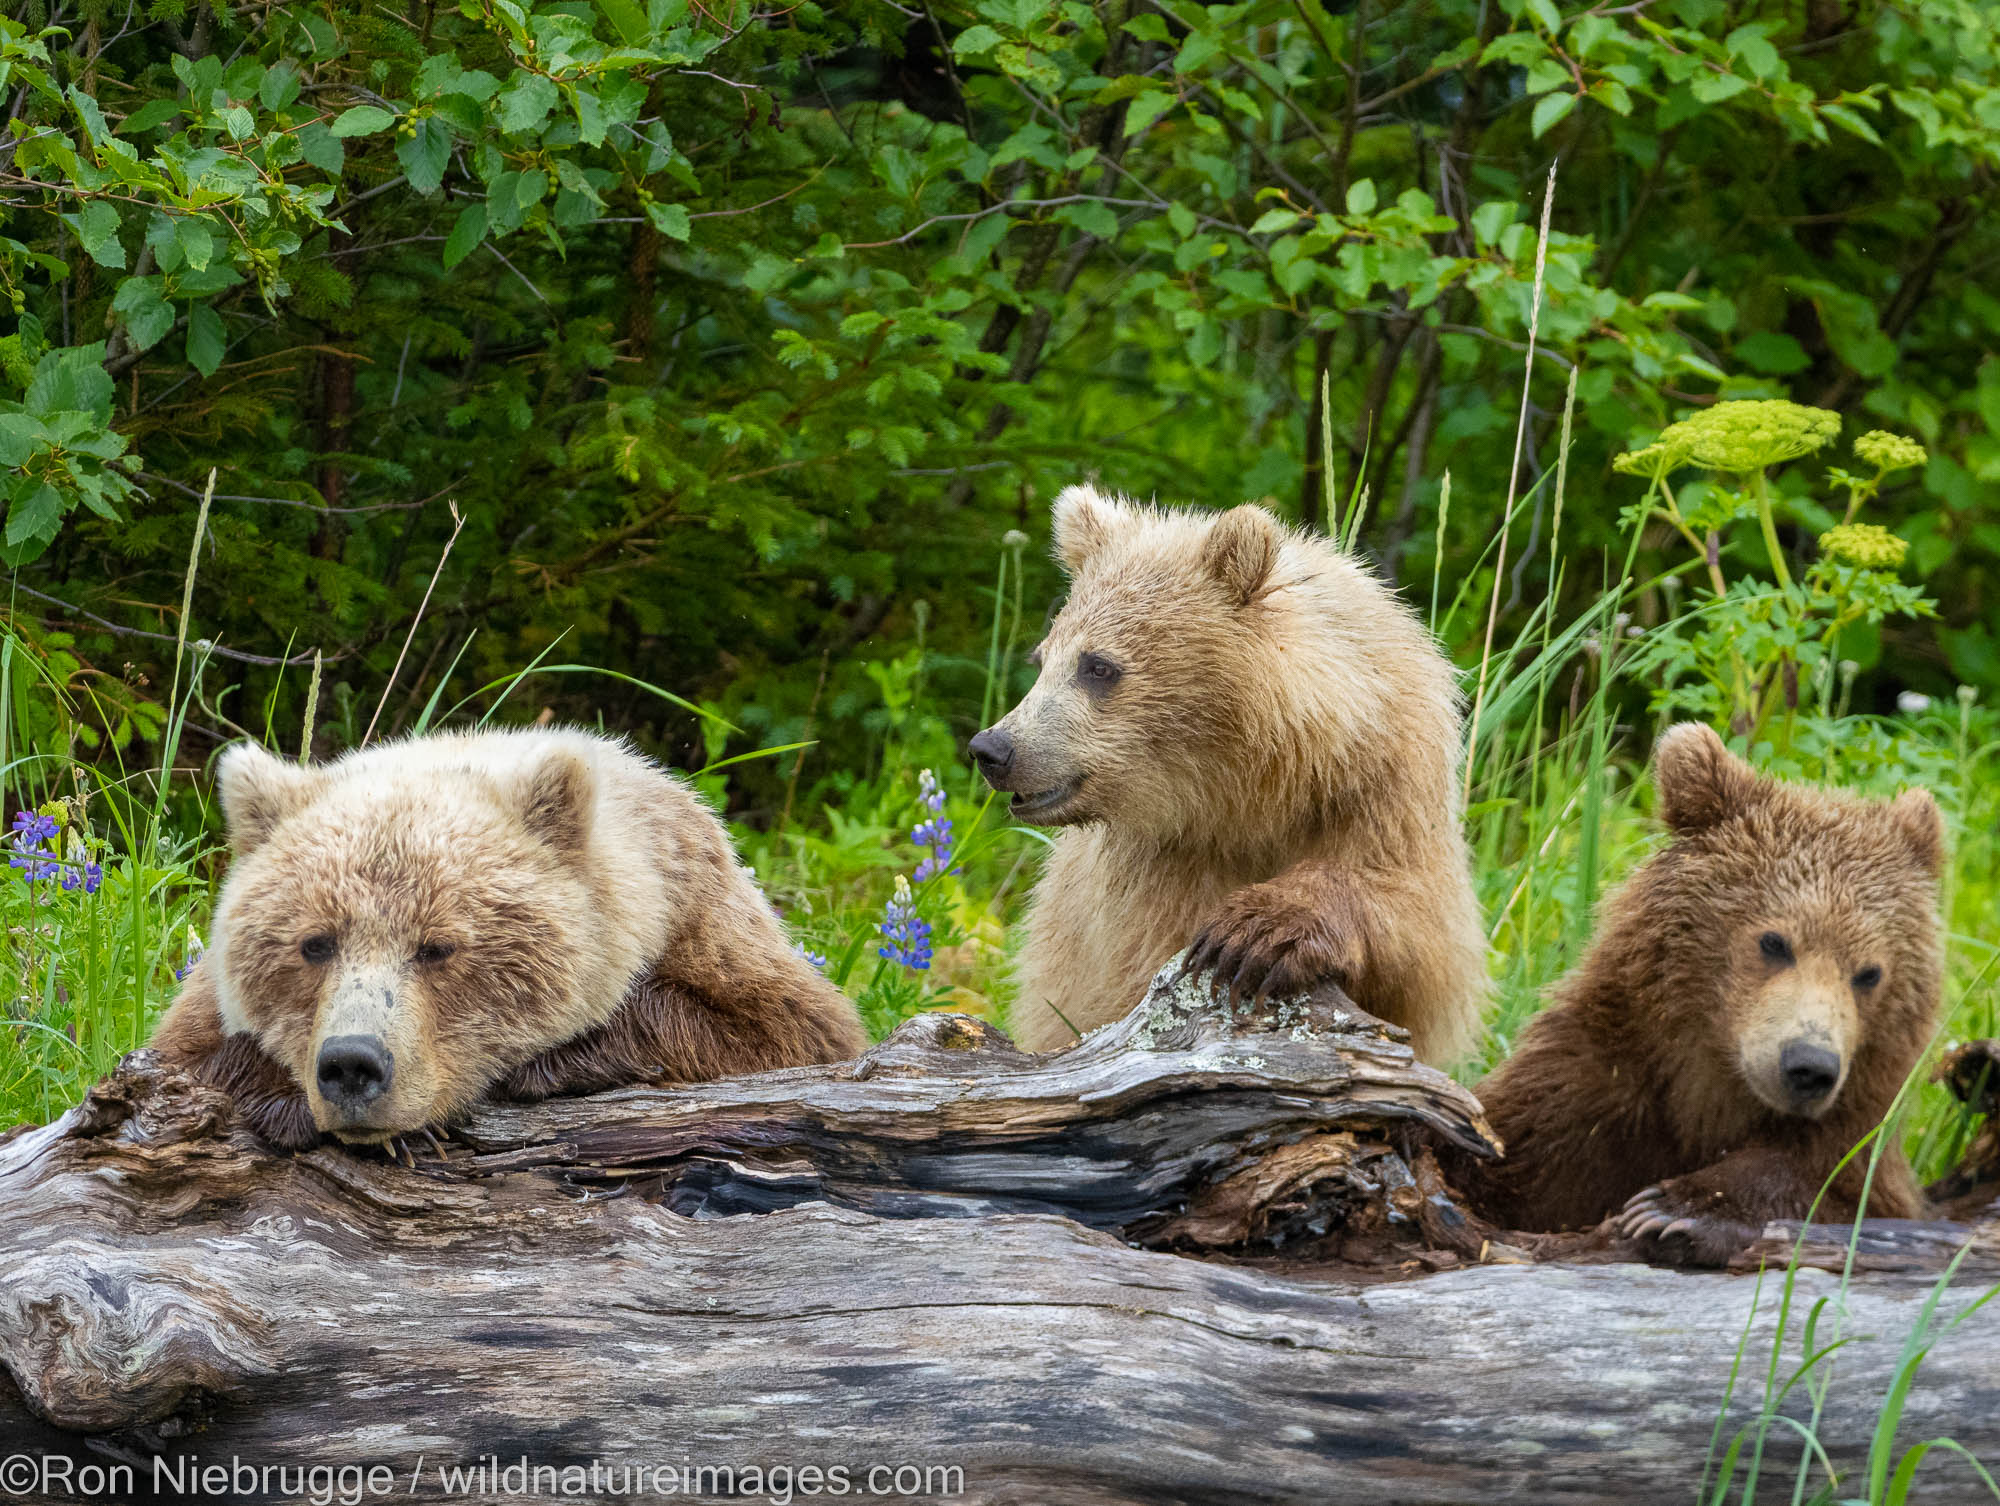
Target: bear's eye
[[432, 952], [1096, 672], [1774, 947], [318, 949], [1867, 978]]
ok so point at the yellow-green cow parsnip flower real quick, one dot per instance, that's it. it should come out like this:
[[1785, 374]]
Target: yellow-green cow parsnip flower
[[1889, 452], [1865, 544], [1751, 433]]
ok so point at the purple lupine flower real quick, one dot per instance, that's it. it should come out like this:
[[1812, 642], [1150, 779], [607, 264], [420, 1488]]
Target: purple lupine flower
[[193, 954], [934, 833], [32, 832], [817, 959], [86, 874], [908, 934], [33, 827]]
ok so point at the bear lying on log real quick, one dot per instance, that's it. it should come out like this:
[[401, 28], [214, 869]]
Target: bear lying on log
[[922, 1261]]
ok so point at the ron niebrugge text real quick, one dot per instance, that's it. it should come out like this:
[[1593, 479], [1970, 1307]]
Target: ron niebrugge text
[[55, 1475]]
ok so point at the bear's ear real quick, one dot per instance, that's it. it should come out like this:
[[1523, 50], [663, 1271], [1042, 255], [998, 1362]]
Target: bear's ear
[[1696, 780], [556, 801], [258, 791], [1084, 521], [1915, 816], [1241, 550]]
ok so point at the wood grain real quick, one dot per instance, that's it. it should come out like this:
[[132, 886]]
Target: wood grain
[[923, 1260]]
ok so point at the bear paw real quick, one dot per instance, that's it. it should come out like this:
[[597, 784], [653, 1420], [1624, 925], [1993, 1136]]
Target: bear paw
[[1685, 1222], [1266, 942]]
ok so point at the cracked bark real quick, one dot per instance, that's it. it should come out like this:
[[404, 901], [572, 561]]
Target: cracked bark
[[925, 1257]]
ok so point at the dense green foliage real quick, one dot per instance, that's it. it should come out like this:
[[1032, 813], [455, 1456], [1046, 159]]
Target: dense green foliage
[[742, 336]]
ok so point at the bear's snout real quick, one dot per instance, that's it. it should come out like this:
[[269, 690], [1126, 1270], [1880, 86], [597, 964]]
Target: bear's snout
[[354, 1071], [993, 751], [1810, 1070]]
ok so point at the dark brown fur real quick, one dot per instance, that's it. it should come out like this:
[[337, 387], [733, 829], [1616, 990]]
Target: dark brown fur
[[1631, 1091]]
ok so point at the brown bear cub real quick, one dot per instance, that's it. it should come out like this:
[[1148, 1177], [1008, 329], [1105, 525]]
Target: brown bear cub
[[1250, 743], [490, 914], [1754, 999]]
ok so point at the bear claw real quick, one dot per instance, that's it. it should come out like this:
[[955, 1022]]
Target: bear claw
[[1254, 954], [1654, 1219]]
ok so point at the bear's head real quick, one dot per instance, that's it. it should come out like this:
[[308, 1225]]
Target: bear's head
[[1165, 686], [1801, 921], [399, 938]]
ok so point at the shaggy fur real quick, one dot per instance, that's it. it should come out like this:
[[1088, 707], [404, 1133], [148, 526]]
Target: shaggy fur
[[1654, 1084], [510, 913], [1264, 770]]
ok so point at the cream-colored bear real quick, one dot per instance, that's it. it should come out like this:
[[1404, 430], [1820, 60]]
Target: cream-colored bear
[[1250, 745], [518, 914]]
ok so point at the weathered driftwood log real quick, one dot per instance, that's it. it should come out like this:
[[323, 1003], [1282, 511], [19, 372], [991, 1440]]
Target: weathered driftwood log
[[170, 1292]]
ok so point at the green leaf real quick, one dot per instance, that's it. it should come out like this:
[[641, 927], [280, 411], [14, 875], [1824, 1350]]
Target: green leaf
[[526, 101], [622, 97], [88, 112], [425, 155], [148, 316], [1713, 88], [319, 146], [1491, 218], [21, 434], [1147, 108], [590, 121], [1199, 47], [1275, 219], [1182, 219], [1092, 218], [153, 113], [279, 86], [669, 219], [205, 342], [90, 489], [96, 227], [1850, 121], [362, 120], [975, 41], [629, 19], [1551, 108], [1205, 343], [1751, 45], [1361, 196], [71, 379], [196, 244], [466, 234], [36, 514], [1772, 353]]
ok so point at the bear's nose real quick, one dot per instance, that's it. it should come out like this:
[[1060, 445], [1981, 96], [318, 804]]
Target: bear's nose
[[1810, 1070], [993, 751], [354, 1070]]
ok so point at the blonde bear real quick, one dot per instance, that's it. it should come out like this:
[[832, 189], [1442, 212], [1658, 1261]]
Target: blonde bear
[[422, 925], [1249, 745]]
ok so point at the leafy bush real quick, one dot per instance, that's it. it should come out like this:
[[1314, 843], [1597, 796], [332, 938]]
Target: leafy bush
[[743, 335]]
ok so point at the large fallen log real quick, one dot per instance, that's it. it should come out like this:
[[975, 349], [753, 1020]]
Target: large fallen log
[[922, 1262]]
